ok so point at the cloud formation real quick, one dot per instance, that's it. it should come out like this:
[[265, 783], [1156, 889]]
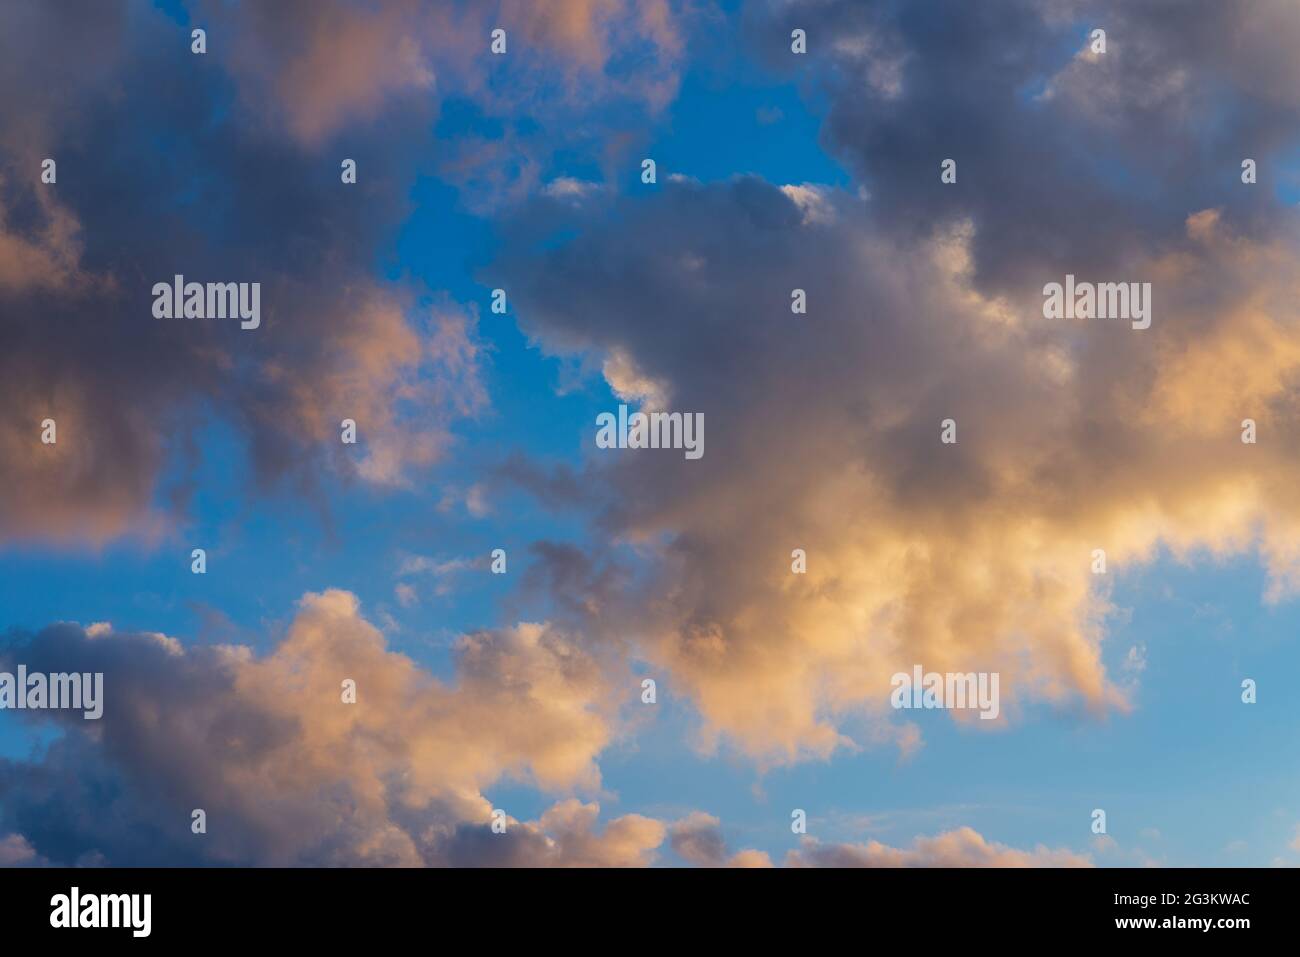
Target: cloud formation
[[925, 304], [156, 176], [697, 839], [319, 65], [288, 773], [172, 163], [962, 847]]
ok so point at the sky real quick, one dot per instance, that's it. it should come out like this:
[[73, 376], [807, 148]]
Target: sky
[[500, 716]]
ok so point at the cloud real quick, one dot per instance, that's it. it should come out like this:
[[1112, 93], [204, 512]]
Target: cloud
[[406, 595], [925, 303], [289, 774], [812, 202], [16, 851], [443, 572], [174, 163], [902, 539], [962, 847], [824, 434], [319, 66], [564, 836], [1066, 160], [697, 839], [48, 256], [157, 178]]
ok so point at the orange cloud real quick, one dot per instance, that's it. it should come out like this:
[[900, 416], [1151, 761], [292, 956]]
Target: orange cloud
[[269, 747], [962, 847], [326, 63]]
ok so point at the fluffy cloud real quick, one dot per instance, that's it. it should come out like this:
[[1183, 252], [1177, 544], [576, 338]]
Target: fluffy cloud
[[321, 64], [925, 303], [697, 839], [172, 163], [828, 427], [565, 836], [963, 847], [158, 176], [15, 851], [289, 774]]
